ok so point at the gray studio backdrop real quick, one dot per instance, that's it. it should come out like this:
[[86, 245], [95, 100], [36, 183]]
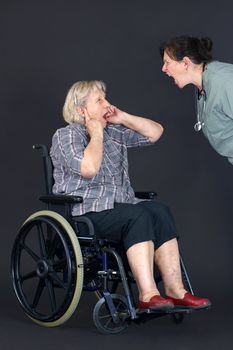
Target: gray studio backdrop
[[46, 46]]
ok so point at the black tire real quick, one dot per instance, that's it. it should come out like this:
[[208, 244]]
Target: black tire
[[47, 268], [102, 317]]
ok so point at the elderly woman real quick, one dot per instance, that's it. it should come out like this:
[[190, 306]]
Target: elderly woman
[[90, 159]]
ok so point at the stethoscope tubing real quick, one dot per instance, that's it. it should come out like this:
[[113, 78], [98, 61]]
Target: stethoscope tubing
[[198, 125]]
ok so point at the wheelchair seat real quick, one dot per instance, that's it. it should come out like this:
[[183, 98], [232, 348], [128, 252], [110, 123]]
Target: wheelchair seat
[[56, 257]]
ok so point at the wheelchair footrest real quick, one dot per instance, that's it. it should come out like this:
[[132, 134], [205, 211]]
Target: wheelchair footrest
[[176, 309]]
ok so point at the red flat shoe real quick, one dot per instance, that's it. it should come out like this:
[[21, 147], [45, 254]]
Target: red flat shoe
[[156, 303], [191, 301]]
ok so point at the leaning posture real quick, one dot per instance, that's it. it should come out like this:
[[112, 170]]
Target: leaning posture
[[188, 60]]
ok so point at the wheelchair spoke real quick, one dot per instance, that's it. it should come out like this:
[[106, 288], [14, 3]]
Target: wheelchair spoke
[[108, 316], [41, 240], [27, 276], [60, 264], [52, 298], [109, 321], [53, 246], [38, 293], [30, 252], [105, 316], [55, 278]]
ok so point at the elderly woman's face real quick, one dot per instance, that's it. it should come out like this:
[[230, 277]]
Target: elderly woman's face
[[97, 106]]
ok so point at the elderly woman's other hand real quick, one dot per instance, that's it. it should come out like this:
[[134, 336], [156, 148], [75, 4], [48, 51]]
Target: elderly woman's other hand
[[94, 126]]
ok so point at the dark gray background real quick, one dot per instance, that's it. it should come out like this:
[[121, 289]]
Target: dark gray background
[[46, 46]]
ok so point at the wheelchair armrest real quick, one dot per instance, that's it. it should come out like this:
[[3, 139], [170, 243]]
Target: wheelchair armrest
[[146, 195], [60, 199], [87, 222]]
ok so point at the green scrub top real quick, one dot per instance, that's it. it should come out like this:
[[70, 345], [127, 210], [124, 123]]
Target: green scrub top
[[215, 107]]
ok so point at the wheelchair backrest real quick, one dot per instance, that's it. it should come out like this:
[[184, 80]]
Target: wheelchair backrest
[[48, 167]]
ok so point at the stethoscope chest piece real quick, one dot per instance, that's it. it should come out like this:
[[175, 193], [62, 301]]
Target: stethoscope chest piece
[[198, 126]]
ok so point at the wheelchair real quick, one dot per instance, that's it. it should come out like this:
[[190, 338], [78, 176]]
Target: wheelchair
[[55, 257]]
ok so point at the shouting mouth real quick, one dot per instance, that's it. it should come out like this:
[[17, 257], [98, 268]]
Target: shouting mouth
[[170, 76]]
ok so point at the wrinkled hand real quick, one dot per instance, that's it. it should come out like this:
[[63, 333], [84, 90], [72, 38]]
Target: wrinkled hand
[[115, 115], [94, 127]]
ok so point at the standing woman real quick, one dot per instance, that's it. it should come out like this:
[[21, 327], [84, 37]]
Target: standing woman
[[188, 60]]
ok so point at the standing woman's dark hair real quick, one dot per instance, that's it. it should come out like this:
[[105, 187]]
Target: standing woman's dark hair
[[198, 50]]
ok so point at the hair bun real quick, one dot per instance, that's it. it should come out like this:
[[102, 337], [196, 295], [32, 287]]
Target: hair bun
[[207, 43]]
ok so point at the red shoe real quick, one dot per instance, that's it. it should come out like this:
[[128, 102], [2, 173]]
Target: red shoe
[[156, 303], [191, 301]]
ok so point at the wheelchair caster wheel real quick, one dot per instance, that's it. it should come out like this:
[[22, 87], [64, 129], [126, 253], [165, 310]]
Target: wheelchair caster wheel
[[177, 317], [102, 317]]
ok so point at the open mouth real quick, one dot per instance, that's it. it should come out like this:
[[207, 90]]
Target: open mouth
[[106, 115], [170, 76]]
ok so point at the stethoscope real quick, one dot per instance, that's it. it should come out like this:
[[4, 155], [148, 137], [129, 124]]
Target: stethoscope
[[198, 95]]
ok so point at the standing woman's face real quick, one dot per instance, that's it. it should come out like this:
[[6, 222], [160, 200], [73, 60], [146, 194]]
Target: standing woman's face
[[175, 69]]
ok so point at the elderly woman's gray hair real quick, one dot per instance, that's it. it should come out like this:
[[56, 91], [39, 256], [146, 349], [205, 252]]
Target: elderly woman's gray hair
[[77, 97]]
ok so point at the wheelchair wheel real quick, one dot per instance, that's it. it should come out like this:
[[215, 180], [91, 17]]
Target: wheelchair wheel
[[102, 317], [47, 268], [177, 317]]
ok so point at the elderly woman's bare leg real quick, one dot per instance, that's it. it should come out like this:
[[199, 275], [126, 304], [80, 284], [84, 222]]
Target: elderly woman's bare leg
[[141, 261], [167, 259]]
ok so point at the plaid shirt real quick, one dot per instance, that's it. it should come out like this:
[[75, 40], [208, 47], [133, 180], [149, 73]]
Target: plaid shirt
[[111, 184]]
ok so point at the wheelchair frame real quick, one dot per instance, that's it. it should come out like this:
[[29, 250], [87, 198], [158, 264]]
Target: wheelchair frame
[[51, 251]]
